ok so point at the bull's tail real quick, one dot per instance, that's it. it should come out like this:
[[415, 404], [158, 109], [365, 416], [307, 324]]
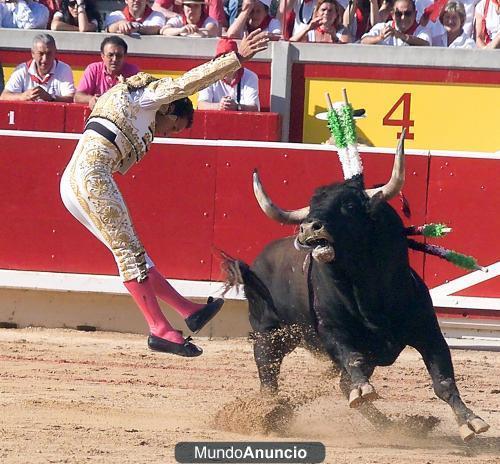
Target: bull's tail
[[261, 304]]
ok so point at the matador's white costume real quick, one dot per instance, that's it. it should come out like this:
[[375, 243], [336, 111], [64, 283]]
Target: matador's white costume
[[118, 134]]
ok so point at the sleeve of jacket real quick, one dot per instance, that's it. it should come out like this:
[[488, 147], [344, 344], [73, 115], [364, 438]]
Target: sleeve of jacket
[[167, 90]]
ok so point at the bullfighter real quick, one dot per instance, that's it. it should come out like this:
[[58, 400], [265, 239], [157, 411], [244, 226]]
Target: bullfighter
[[118, 134]]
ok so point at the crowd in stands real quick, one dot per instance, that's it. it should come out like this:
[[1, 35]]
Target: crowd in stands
[[443, 23]]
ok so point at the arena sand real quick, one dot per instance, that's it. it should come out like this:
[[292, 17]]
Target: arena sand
[[74, 397]]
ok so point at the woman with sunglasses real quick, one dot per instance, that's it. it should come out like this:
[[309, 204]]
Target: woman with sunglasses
[[77, 15], [403, 30]]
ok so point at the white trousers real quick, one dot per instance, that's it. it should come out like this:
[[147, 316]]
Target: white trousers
[[91, 195]]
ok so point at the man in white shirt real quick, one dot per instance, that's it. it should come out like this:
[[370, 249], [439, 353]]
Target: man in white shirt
[[23, 14], [43, 78], [136, 18], [402, 30], [238, 91]]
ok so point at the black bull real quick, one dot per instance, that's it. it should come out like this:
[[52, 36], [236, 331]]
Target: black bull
[[344, 286]]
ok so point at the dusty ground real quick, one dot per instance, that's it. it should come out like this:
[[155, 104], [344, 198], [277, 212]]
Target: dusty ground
[[75, 397]]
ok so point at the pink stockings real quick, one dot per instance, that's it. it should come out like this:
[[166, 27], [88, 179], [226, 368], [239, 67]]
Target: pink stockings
[[145, 293]]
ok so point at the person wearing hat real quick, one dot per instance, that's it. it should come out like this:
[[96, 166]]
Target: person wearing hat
[[194, 21], [238, 91], [118, 134], [254, 15]]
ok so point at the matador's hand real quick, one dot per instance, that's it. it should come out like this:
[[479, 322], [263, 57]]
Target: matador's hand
[[251, 44]]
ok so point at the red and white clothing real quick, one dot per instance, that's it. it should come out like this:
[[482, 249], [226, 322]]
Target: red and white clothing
[[58, 82], [375, 31], [304, 10], [491, 16], [153, 19], [249, 90], [178, 21], [271, 25], [96, 80], [311, 35], [215, 8]]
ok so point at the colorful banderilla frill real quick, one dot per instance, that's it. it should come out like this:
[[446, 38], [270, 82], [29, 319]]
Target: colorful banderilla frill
[[343, 129]]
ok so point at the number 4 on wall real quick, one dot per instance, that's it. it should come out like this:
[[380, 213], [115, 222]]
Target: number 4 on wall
[[404, 100]]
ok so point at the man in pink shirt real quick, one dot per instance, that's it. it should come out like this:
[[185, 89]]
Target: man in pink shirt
[[101, 76]]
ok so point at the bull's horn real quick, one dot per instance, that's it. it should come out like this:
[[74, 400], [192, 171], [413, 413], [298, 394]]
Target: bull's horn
[[395, 184], [273, 211]]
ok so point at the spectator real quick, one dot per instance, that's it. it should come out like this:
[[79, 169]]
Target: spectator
[[326, 25], [452, 17], [137, 17], [99, 77], [300, 12], [193, 21], [360, 16], [23, 14], [402, 30], [172, 8], [254, 15], [43, 78], [238, 91], [488, 24], [77, 15]]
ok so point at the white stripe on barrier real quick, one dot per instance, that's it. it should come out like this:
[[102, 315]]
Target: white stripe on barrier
[[93, 283], [443, 295], [255, 144]]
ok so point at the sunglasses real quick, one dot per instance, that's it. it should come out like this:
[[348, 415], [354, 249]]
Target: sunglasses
[[400, 14], [72, 4]]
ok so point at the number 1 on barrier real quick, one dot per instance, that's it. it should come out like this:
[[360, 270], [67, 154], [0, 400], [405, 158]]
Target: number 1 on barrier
[[405, 122], [11, 115]]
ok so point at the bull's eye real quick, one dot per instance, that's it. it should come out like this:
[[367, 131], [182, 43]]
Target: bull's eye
[[348, 208]]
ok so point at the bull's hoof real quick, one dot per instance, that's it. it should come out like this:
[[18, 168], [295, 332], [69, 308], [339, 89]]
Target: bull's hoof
[[361, 394], [466, 433], [472, 427], [478, 425]]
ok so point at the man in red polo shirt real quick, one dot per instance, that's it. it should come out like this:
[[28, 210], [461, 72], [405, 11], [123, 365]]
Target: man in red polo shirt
[[101, 76]]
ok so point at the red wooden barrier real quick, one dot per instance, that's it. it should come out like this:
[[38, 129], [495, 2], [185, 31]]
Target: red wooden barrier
[[32, 116], [464, 193], [64, 117], [184, 201], [187, 200]]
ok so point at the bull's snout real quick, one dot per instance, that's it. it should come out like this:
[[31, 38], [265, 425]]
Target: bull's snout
[[310, 227]]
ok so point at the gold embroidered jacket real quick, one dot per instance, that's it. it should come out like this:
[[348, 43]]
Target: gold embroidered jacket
[[130, 107]]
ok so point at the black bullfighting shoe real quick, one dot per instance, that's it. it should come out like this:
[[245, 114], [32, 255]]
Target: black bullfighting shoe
[[200, 318], [187, 349]]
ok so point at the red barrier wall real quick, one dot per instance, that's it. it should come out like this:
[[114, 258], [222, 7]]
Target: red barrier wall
[[186, 201], [59, 117], [465, 193]]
